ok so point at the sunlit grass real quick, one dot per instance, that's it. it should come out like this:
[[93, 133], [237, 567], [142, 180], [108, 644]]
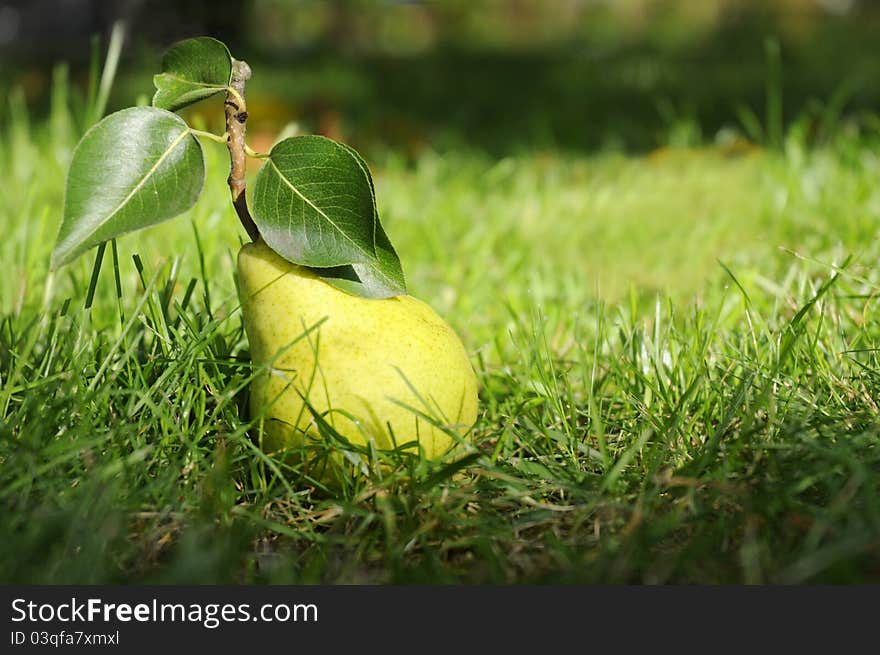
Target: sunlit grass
[[677, 353]]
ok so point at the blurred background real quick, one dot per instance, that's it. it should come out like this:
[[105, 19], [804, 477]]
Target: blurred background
[[498, 76]]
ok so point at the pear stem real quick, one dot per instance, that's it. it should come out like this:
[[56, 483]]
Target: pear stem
[[236, 120]]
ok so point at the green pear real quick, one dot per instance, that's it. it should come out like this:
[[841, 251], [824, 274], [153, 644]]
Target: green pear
[[373, 369]]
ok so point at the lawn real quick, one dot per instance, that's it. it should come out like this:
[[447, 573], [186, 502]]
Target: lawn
[[677, 352]]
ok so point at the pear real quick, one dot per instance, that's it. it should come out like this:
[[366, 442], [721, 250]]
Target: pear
[[373, 369]]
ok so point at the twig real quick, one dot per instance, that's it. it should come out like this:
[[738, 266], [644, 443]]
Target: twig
[[236, 119]]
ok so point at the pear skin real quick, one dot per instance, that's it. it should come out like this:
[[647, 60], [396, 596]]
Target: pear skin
[[369, 367]]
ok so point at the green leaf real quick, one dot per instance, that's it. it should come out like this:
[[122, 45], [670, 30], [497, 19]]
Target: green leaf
[[381, 279], [192, 70], [315, 205], [384, 277], [135, 168]]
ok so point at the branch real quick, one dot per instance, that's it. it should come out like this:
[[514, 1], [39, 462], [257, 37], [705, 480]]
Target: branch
[[236, 119]]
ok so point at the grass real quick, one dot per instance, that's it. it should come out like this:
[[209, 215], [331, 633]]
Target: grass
[[678, 358]]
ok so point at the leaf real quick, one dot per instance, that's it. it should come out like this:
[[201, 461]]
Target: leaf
[[381, 279], [385, 277], [314, 203], [135, 168], [192, 70], [371, 280]]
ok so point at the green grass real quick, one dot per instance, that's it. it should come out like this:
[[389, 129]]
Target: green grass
[[677, 356]]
